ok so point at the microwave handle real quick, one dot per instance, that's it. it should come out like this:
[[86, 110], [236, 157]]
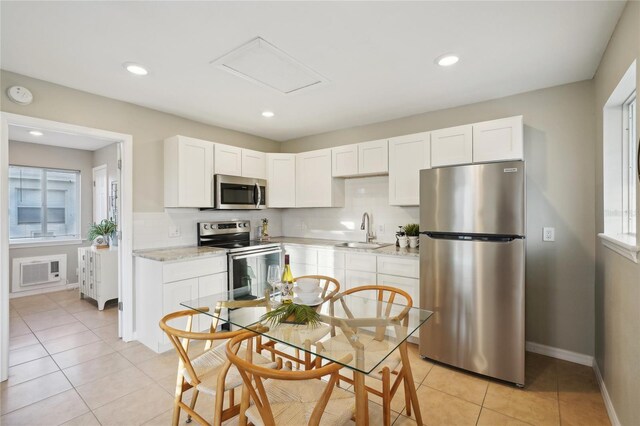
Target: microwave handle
[[257, 199]]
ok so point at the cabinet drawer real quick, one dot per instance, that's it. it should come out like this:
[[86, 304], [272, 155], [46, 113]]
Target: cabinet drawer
[[302, 255], [361, 262], [193, 268], [410, 285], [396, 265], [331, 259], [300, 269]]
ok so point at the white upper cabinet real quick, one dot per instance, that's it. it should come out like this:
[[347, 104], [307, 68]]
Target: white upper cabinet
[[498, 140], [407, 156], [361, 159], [373, 157], [254, 164], [315, 186], [345, 160], [228, 160], [281, 180], [453, 145], [188, 172]]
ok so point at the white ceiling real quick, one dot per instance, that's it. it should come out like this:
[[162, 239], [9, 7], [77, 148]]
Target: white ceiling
[[378, 56], [49, 137]]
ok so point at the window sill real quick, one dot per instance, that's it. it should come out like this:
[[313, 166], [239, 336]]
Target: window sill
[[44, 243], [623, 244]]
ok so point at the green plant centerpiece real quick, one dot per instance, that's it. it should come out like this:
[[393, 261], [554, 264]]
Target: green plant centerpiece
[[100, 232], [412, 230], [292, 313]]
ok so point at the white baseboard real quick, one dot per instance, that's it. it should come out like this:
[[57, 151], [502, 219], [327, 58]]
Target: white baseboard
[[44, 290], [558, 353], [613, 417]]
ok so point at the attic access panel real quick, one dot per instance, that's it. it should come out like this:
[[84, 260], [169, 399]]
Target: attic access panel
[[262, 63]]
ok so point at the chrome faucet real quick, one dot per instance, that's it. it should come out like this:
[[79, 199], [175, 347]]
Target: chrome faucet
[[367, 225]]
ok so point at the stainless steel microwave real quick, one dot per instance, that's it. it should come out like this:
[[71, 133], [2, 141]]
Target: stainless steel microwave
[[234, 193]]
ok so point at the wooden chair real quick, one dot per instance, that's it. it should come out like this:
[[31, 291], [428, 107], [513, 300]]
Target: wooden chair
[[208, 372], [387, 297], [330, 287], [289, 397]]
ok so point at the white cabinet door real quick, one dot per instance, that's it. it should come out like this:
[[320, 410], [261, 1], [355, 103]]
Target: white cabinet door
[[344, 160], [212, 284], [360, 278], [331, 259], [498, 140], [298, 254], [315, 187], [337, 273], [410, 285], [373, 157], [361, 262], [300, 269], [174, 293], [228, 160], [188, 172], [254, 164], [453, 145], [407, 156], [281, 180]]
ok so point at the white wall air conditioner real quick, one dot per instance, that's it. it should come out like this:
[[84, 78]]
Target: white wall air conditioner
[[32, 273]]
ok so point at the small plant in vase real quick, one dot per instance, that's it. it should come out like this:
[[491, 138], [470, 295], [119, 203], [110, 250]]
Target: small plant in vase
[[99, 233], [412, 230]]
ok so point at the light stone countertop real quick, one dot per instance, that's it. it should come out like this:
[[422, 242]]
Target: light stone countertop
[[179, 253], [390, 250]]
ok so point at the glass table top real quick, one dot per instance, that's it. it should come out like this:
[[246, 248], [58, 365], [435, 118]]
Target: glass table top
[[357, 331]]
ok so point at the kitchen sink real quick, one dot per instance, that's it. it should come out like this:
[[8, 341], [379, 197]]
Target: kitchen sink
[[357, 245]]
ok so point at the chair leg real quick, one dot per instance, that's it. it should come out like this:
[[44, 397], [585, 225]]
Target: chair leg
[[386, 396], [194, 398], [407, 396], [176, 402]]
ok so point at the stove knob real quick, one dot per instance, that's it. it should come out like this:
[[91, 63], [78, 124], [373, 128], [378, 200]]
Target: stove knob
[[206, 226]]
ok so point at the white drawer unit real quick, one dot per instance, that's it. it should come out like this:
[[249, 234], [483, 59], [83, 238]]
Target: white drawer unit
[[411, 286], [361, 262], [161, 286], [400, 266], [98, 274], [299, 254]]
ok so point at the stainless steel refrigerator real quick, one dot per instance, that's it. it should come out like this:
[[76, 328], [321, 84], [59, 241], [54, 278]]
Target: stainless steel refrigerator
[[472, 265]]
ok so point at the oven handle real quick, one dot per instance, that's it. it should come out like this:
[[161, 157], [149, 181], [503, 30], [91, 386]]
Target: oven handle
[[256, 253], [257, 191]]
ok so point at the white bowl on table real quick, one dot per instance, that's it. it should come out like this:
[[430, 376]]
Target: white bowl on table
[[308, 285], [308, 298]]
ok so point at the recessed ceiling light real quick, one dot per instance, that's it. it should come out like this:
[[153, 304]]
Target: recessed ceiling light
[[35, 133], [447, 60], [135, 69], [267, 114]]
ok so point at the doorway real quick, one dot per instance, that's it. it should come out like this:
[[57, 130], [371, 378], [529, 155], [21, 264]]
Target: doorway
[[122, 209]]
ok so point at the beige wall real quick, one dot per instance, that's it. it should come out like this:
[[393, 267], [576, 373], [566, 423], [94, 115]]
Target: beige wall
[[617, 290], [148, 128], [31, 154], [559, 150]]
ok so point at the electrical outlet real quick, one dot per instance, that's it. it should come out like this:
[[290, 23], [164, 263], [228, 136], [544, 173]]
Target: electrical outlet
[[381, 229], [174, 231], [548, 234]]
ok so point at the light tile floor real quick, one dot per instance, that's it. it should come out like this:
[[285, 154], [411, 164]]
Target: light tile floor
[[69, 367]]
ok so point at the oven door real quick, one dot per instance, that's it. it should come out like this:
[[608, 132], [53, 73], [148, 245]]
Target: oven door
[[234, 193], [248, 271]]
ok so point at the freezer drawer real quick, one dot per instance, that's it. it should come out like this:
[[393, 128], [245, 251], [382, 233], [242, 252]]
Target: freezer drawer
[[476, 291]]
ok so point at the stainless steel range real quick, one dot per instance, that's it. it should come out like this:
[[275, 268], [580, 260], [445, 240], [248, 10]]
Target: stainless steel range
[[248, 260]]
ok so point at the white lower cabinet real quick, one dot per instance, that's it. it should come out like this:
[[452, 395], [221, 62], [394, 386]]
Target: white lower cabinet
[[98, 274], [360, 278], [162, 286]]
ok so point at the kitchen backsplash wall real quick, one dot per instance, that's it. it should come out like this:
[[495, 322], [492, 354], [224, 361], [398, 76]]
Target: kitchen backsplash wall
[[369, 194], [151, 230]]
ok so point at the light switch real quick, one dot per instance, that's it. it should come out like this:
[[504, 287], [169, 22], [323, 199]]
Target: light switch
[[548, 234]]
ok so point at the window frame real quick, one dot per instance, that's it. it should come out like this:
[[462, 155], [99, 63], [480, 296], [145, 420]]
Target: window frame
[[51, 240], [630, 133]]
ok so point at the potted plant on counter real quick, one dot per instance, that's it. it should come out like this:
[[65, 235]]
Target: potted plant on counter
[[99, 233], [412, 230]]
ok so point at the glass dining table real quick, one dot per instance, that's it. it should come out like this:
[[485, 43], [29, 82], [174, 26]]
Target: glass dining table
[[358, 331]]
